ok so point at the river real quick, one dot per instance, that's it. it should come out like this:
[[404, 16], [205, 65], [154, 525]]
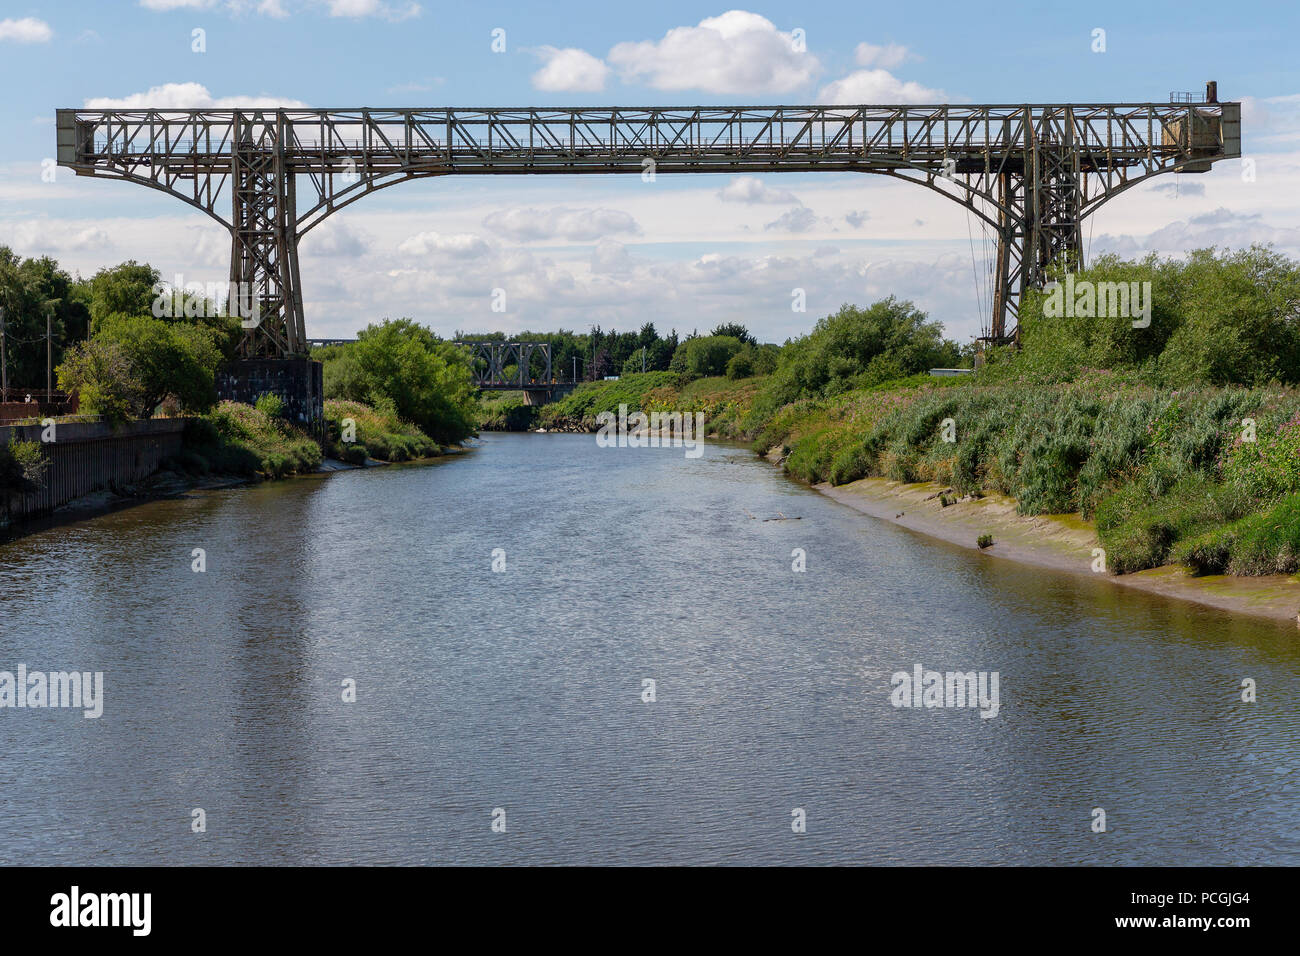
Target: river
[[522, 690]]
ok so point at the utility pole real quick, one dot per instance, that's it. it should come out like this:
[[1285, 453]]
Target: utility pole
[[643, 358], [4, 360], [49, 353], [575, 369]]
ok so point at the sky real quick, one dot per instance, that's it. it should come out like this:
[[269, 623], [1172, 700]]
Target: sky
[[687, 251]]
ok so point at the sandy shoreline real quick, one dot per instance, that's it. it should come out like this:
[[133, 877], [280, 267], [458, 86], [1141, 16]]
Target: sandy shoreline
[[1059, 542]]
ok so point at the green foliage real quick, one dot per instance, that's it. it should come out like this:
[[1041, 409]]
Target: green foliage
[[856, 348], [1265, 543], [126, 289], [1139, 531], [584, 403], [240, 439], [984, 541], [736, 331], [1158, 469], [1215, 319], [38, 297], [508, 413], [379, 434], [22, 467], [104, 374], [428, 381], [1269, 466], [741, 364], [270, 405], [705, 355], [753, 360], [134, 363]]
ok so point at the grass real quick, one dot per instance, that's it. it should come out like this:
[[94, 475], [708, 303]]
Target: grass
[[1207, 477], [506, 412], [581, 406], [254, 441], [243, 440], [1169, 476], [375, 433]]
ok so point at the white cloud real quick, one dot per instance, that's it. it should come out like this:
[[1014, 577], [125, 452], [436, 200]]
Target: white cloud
[[1271, 122], [857, 218], [335, 238], [459, 246], [872, 87], [355, 9], [737, 52], [1222, 228], [1178, 187], [749, 189], [800, 219], [569, 70], [610, 257], [26, 30], [163, 6], [187, 96], [372, 8], [885, 57], [578, 225], [46, 237]]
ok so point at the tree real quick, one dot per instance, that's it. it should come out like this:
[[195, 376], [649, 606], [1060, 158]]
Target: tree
[[102, 372], [134, 363], [736, 331], [428, 381], [706, 355], [1218, 319], [39, 299], [126, 289]]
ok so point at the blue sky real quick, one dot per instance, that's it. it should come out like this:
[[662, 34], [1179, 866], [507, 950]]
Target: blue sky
[[696, 250]]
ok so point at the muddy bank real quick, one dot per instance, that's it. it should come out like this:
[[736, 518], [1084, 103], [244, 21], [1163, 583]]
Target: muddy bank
[[171, 484], [1062, 542]]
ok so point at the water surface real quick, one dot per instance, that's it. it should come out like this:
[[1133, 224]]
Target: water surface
[[522, 690]]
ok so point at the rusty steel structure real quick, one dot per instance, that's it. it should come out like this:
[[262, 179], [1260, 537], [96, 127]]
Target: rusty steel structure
[[490, 361], [1031, 173]]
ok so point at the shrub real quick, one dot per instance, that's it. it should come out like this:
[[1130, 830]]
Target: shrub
[[1268, 467], [241, 439], [1267, 543], [426, 381], [705, 355], [380, 434], [1139, 531], [354, 454], [270, 405], [22, 466]]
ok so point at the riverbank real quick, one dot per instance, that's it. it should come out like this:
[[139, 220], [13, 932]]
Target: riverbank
[[168, 483], [1159, 481], [1059, 542]]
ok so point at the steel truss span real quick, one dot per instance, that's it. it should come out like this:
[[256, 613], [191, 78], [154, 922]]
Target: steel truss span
[[1032, 173], [490, 359]]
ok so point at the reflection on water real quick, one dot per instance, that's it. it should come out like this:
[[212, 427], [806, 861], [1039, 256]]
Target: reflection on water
[[522, 690]]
